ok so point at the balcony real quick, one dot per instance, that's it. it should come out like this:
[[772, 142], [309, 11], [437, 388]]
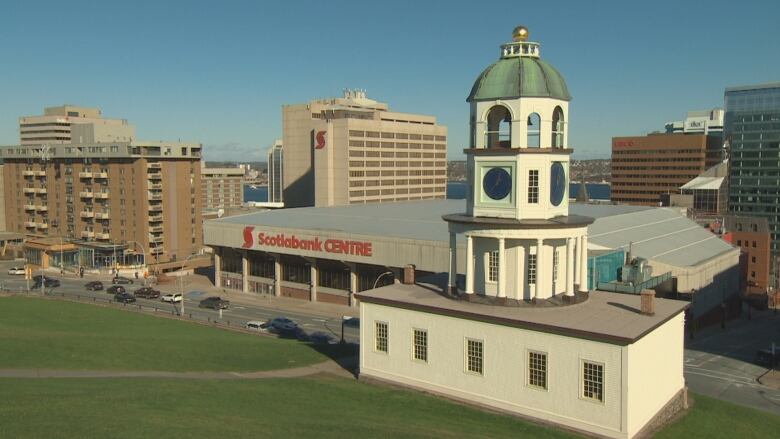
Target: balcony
[[41, 190], [30, 224], [151, 166], [87, 194], [155, 186], [155, 239], [87, 234], [154, 175], [154, 197], [87, 214], [39, 173], [86, 174], [29, 207], [102, 235], [28, 173], [155, 218], [156, 250], [42, 226], [41, 208], [155, 208], [29, 190], [100, 175], [101, 195], [102, 215], [156, 229]]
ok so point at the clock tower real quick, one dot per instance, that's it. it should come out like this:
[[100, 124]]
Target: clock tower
[[521, 243]]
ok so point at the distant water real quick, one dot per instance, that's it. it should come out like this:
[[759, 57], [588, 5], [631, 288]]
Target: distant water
[[456, 190]]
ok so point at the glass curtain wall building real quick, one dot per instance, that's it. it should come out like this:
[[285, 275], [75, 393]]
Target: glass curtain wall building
[[752, 128]]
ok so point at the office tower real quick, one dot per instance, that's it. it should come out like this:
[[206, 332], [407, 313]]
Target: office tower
[[275, 172], [56, 126]]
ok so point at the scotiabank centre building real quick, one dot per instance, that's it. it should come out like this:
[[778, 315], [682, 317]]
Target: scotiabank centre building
[[328, 254]]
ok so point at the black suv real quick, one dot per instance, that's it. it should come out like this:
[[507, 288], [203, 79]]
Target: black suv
[[48, 282], [214, 302], [115, 289], [124, 297], [121, 280], [95, 285], [147, 293]]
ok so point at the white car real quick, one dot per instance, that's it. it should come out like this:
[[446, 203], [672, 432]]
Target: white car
[[172, 298], [16, 270], [255, 325]]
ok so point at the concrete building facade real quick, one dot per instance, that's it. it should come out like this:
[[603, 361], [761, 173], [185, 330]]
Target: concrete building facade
[[222, 188], [353, 150], [140, 197], [646, 167], [58, 125]]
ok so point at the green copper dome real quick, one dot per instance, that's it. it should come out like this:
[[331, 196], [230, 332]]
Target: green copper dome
[[516, 77]]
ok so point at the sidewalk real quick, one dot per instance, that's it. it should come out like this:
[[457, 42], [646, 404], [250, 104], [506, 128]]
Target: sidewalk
[[771, 379]]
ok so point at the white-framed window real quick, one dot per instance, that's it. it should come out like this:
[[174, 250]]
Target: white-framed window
[[493, 266], [537, 369], [532, 269], [556, 261], [593, 381], [533, 186], [380, 336], [474, 351], [420, 345]]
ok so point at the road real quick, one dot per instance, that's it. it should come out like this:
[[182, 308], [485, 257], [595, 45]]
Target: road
[[237, 314]]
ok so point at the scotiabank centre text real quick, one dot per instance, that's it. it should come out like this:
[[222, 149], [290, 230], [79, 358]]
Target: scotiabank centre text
[[356, 248]]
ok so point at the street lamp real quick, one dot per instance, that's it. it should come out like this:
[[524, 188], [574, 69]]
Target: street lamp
[[181, 280], [143, 250], [380, 277]]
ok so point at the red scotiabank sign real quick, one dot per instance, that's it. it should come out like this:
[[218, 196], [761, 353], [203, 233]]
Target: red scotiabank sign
[[337, 246]]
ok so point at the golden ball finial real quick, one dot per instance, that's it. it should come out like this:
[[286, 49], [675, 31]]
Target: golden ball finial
[[520, 34]]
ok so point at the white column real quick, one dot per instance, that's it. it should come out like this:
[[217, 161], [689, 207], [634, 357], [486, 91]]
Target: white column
[[577, 259], [540, 277], [217, 268], [245, 270], [469, 264], [453, 282], [570, 266], [584, 264], [500, 287], [353, 284], [277, 276], [313, 281]]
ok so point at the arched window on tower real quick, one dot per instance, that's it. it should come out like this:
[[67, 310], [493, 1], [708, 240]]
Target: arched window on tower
[[534, 130], [557, 128], [499, 128]]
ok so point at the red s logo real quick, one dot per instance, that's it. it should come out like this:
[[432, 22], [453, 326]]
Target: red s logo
[[248, 239], [319, 140]]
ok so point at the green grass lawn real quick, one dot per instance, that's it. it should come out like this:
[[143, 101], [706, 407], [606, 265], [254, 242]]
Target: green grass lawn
[[53, 334]]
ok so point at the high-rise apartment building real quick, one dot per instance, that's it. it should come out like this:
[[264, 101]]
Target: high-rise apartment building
[[646, 167], [354, 150], [752, 131], [108, 195], [57, 124], [275, 172], [223, 188]]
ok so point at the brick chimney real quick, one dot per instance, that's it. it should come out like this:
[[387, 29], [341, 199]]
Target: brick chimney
[[648, 302], [408, 274]]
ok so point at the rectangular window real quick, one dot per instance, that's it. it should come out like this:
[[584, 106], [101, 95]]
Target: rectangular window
[[593, 381], [380, 335], [537, 369], [420, 340], [533, 186], [474, 356], [556, 261], [532, 269], [493, 266]]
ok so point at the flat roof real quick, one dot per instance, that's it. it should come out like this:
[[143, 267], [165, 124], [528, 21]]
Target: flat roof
[[660, 234], [763, 86], [608, 317]]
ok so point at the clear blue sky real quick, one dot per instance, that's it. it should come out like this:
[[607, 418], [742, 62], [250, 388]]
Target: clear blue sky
[[218, 72]]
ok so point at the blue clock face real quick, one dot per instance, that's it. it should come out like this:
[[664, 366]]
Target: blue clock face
[[557, 183], [497, 183]]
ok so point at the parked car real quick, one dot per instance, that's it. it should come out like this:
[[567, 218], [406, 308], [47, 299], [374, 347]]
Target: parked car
[[16, 270], [121, 280], [124, 297], [115, 289], [320, 337], [95, 285], [352, 322], [47, 282], [147, 293], [254, 325], [284, 327], [172, 298], [764, 357], [214, 302]]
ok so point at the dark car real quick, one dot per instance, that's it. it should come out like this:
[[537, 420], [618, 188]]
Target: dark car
[[352, 322], [147, 293], [124, 297], [320, 337], [95, 285], [765, 357], [284, 327], [115, 289], [214, 302], [47, 282], [121, 280]]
